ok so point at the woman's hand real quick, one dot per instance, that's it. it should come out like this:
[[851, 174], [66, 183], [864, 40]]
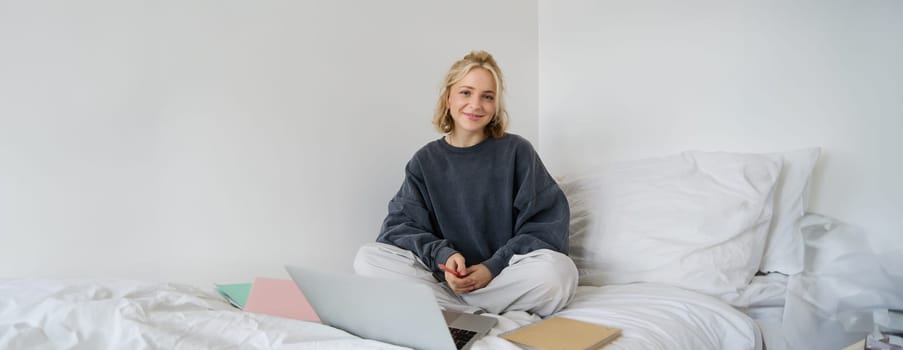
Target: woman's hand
[[463, 279], [480, 275], [456, 264]]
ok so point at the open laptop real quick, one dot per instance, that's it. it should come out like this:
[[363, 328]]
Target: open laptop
[[398, 312]]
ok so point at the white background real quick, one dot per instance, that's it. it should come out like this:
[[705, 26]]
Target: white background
[[204, 141], [216, 141], [631, 79]]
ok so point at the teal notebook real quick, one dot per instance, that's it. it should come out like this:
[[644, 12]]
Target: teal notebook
[[236, 294]]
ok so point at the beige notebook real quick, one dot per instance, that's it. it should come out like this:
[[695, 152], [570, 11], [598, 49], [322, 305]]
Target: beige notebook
[[559, 333]]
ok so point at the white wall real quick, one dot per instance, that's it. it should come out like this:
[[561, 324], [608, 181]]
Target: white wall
[[206, 141], [631, 79], [203, 141]]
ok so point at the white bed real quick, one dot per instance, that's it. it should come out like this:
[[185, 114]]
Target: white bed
[[669, 250], [94, 314]]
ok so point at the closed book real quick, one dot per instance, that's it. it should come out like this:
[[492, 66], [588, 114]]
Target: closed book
[[560, 333]]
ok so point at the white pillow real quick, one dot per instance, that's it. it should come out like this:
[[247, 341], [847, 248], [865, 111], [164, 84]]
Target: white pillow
[[697, 220], [784, 247]]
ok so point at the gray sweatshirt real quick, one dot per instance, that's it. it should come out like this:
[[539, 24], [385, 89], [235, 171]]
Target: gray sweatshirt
[[487, 202]]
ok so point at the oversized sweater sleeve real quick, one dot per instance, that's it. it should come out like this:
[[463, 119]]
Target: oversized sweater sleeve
[[541, 214], [408, 225]]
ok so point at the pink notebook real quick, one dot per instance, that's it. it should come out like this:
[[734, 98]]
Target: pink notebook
[[279, 297]]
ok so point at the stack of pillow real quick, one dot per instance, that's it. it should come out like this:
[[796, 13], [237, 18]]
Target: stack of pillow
[[704, 221]]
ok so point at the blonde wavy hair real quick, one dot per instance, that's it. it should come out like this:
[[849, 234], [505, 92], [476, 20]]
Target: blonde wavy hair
[[442, 119]]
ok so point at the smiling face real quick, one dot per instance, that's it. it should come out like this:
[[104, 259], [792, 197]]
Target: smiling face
[[471, 102]]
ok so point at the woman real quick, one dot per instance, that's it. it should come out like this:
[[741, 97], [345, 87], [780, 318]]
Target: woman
[[479, 203]]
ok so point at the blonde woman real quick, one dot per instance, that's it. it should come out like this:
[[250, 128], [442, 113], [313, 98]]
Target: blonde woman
[[478, 218]]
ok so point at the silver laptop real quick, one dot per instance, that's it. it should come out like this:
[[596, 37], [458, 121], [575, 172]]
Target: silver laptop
[[398, 312]]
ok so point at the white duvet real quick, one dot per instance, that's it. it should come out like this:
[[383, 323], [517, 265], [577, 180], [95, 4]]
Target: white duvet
[[56, 314]]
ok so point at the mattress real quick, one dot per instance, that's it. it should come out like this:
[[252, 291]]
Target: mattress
[[67, 314]]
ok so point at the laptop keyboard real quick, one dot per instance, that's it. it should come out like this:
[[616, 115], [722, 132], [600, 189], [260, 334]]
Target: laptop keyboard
[[461, 336]]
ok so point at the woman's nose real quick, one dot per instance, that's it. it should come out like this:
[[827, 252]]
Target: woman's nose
[[475, 102]]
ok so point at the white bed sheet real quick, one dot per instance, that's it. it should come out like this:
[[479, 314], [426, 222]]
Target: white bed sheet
[[57, 314], [654, 316], [52, 314], [771, 322], [762, 290], [763, 300]]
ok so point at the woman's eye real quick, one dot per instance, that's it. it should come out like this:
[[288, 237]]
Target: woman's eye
[[465, 93], [488, 97]]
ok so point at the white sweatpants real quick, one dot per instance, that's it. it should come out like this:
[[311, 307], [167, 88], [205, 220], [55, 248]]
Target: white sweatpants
[[540, 282]]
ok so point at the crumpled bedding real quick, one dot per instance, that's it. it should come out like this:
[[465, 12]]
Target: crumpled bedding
[[846, 290], [94, 314], [50, 314]]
